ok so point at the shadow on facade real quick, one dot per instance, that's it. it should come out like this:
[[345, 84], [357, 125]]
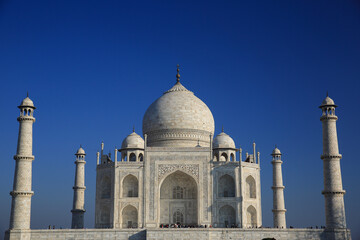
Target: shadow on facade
[[138, 236]]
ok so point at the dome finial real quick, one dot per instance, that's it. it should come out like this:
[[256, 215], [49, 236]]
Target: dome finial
[[27, 94], [327, 93], [133, 128], [222, 129], [178, 74], [198, 143]]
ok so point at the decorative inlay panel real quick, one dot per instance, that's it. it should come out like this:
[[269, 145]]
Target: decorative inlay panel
[[192, 169], [125, 204]]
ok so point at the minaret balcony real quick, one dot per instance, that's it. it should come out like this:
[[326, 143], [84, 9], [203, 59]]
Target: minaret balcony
[[328, 117], [26, 158], [329, 157]]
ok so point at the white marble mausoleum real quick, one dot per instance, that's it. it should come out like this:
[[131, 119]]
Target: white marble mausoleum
[[178, 180]]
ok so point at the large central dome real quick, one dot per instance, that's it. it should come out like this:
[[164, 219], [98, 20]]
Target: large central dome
[[178, 119]]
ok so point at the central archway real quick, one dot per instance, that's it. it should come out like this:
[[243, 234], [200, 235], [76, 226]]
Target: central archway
[[178, 199]]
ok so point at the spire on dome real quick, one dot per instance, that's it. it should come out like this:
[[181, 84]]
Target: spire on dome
[[133, 128], [178, 74], [222, 130], [178, 87], [198, 143]]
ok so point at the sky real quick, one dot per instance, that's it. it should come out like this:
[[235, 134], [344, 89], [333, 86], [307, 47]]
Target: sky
[[92, 69]]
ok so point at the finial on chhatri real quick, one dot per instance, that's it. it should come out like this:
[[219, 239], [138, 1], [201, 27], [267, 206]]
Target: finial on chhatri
[[275, 145], [133, 128], [177, 74], [27, 94], [327, 93], [222, 129], [80, 146]]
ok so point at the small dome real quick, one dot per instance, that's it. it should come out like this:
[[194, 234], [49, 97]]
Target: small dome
[[27, 102], [276, 151], [80, 151], [327, 102], [133, 141], [223, 141]]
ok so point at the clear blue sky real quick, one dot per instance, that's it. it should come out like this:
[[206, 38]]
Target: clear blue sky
[[263, 67]]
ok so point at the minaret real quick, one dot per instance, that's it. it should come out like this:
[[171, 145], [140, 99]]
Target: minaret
[[79, 190], [21, 194], [278, 191], [333, 190]]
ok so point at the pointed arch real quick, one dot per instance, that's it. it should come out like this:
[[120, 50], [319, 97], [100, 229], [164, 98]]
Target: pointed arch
[[132, 157], [226, 186], [232, 157], [251, 216], [141, 157], [227, 216], [129, 217], [250, 187], [223, 157], [178, 199], [130, 186]]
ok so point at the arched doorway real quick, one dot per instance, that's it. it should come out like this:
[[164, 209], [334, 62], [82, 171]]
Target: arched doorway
[[251, 216], [227, 216], [178, 199], [129, 217]]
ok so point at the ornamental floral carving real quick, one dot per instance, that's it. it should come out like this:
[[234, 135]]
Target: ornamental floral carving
[[191, 169]]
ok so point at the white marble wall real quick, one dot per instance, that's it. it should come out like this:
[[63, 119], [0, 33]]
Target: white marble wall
[[180, 234]]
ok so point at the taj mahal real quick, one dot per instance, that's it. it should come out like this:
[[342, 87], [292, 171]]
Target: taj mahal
[[178, 180]]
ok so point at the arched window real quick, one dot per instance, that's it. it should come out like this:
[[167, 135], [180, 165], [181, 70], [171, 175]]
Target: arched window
[[178, 192], [223, 157], [251, 217], [227, 216], [132, 157], [130, 186], [226, 186], [105, 187], [250, 187], [178, 217], [129, 217], [141, 157], [232, 158]]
